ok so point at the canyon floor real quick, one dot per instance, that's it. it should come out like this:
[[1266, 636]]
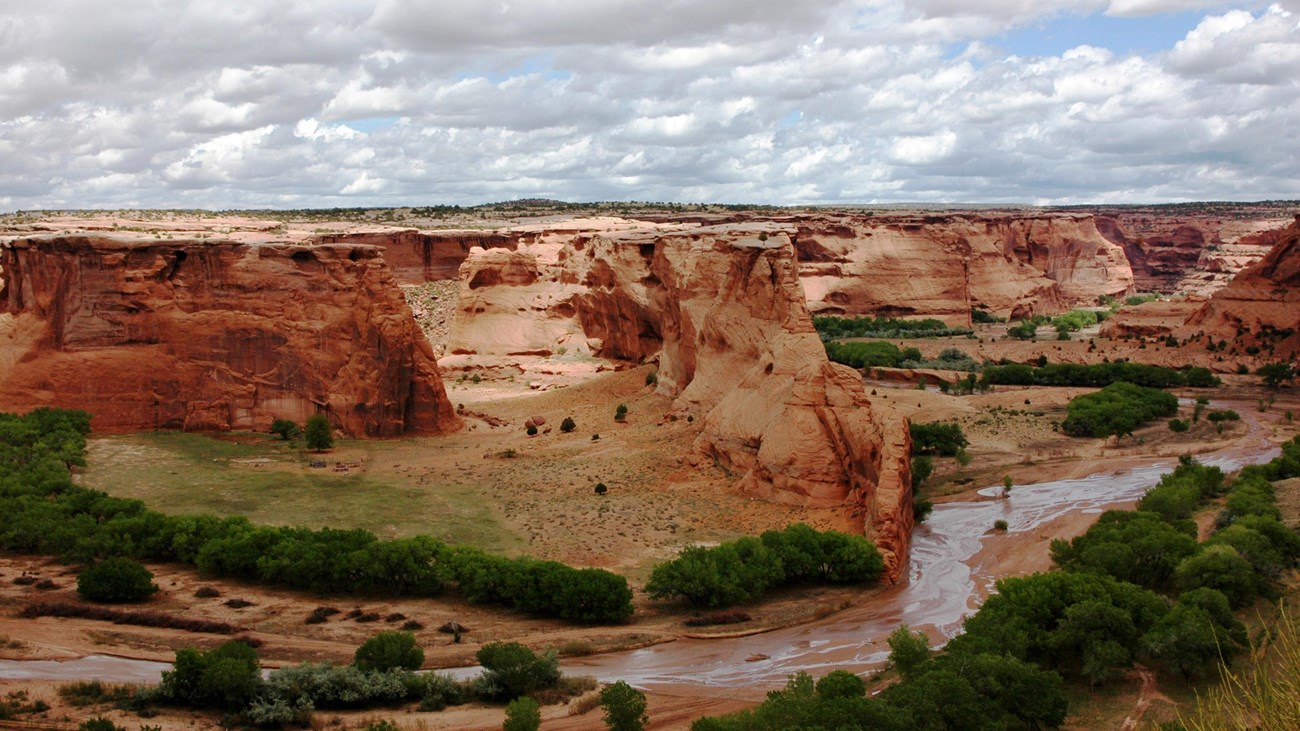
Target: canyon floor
[[494, 486]]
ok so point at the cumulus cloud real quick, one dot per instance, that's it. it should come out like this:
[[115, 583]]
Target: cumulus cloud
[[387, 102]]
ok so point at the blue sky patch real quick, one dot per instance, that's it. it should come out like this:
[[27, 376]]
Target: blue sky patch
[[1054, 36]]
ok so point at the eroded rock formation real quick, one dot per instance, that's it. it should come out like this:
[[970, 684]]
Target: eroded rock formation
[[1261, 305], [723, 309], [148, 333], [942, 265], [424, 256]]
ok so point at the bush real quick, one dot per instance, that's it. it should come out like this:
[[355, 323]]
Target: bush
[[319, 435], [522, 714], [511, 670], [531, 430], [1219, 415], [1000, 525], [389, 651], [922, 468], [116, 580], [943, 439], [286, 429], [1179, 426], [620, 413], [625, 707], [907, 651], [227, 677], [568, 425]]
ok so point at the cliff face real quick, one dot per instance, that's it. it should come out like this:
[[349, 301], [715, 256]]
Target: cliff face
[[943, 265], [723, 308], [424, 256], [1263, 297], [201, 335], [1187, 251]]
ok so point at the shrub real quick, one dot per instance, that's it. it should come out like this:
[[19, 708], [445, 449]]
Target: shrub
[[522, 714], [601, 489], [1000, 525], [922, 468], [116, 580], [531, 430], [625, 707], [943, 439], [319, 435], [652, 378], [286, 429], [907, 651], [388, 651], [227, 677], [511, 670], [1179, 425], [620, 413], [1218, 415], [568, 425]]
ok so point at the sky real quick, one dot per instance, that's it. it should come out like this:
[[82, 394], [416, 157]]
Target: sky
[[222, 104]]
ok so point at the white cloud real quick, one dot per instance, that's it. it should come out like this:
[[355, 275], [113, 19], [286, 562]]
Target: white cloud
[[265, 103]]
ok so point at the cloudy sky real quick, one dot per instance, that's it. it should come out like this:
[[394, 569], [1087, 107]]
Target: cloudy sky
[[311, 103]]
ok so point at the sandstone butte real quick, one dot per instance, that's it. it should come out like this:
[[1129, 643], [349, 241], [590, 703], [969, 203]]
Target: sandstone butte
[[722, 309], [191, 334]]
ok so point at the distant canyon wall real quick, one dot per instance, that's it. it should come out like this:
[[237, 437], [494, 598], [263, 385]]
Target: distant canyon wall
[[199, 334], [943, 265], [723, 309]]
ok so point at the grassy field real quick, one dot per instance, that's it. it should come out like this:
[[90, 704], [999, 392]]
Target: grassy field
[[270, 483]]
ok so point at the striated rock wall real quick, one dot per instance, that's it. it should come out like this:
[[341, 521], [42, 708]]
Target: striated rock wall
[[1189, 251], [190, 334], [942, 265], [723, 309], [424, 256], [1263, 296]]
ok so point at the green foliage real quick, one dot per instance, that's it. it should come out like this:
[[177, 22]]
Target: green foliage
[[908, 651], [46, 513], [624, 707], [1222, 568], [531, 430], [389, 651], [511, 670], [319, 435], [940, 438], [522, 714], [568, 425], [652, 378], [866, 354], [1097, 374], [743, 570], [620, 414], [978, 315], [1117, 409], [922, 468], [1138, 547], [1024, 331], [116, 580], [841, 684], [286, 429], [1179, 425], [1218, 415], [1275, 374], [99, 723], [1076, 320], [1198, 633], [227, 677], [832, 328]]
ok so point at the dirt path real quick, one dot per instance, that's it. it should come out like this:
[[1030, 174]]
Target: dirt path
[[1147, 692]]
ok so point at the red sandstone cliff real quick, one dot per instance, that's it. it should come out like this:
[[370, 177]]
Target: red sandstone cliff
[[942, 265], [1261, 300], [723, 309], [148, 333]]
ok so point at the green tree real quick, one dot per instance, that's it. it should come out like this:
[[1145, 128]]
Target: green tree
[[908, 651], [511, 670], [388, 651], [841, 684], [1219, 567], [319, 433], [522, 714], [115, 580], [227, 677], [1275, 374], [624, 706], [922, 468], [568, 424]]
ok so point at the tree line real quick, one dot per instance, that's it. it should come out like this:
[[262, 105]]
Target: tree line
[[46, 513], [744, 570]]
